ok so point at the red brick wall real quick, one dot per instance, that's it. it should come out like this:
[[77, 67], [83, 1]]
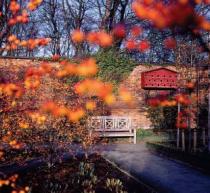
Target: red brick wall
[[138, 110]]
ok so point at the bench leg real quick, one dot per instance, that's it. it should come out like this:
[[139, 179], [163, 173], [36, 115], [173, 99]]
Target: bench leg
[[90, 133], [134, 137]]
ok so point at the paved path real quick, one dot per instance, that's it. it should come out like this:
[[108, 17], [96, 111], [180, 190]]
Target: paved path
[[167, 176]]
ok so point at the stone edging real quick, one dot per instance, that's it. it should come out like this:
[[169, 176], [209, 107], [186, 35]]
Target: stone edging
[[130, 175]]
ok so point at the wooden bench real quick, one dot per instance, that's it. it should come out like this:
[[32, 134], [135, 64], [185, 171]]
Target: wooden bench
[[112, 126]]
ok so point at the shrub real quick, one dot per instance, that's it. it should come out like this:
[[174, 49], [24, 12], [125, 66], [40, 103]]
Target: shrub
[[163, 118]]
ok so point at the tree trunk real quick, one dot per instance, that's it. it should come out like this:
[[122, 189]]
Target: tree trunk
[[194, 140], [183, 140], [178, 129], [204, 136], [105, 19], [209, 118]]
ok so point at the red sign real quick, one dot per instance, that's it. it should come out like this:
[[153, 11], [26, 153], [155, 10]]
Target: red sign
[[161, 78]]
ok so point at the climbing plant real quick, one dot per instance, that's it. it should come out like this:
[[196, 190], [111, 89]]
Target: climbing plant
[[114, 66]]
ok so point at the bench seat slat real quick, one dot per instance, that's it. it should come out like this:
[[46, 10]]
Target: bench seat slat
[[113, 130], [114, 134]]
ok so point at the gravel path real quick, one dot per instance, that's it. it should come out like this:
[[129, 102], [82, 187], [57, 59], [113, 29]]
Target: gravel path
[[167, 176]]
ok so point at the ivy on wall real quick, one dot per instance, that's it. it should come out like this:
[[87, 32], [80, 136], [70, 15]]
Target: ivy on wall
[[113, 66]]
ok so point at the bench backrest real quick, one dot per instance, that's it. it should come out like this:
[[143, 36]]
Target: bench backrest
[[110, 123]]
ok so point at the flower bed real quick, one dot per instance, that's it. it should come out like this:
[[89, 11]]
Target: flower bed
[[78, 175]]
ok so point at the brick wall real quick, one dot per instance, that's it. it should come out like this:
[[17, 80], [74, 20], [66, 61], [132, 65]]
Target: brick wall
[[138, 111]]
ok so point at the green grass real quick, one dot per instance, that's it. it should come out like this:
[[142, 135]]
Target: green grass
[[150, 135], [142, 133]]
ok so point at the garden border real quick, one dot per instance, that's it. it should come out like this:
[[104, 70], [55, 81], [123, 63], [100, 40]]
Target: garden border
[[151, 189], [189, 159]]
